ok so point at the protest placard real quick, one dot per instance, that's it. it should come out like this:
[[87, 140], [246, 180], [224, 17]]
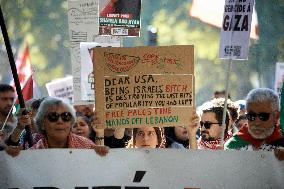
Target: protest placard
[[144, 86], [87, 75], [83, 27], [120, 18], [279, 77], [211, 12], [61, 88], [235, 30]]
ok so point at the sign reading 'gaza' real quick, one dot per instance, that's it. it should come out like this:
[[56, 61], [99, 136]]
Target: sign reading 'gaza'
[[235, 29]]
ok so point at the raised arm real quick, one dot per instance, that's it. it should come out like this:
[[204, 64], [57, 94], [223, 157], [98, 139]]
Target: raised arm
[[192, 129]]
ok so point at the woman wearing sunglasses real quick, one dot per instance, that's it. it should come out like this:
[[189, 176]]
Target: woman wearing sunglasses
[[55, 119]]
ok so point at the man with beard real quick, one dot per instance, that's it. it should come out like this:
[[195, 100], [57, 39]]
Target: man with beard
[[210, 127], [7, 96], [263, 130]]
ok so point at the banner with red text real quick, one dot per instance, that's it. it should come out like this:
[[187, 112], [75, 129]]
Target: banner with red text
[[144, 86]]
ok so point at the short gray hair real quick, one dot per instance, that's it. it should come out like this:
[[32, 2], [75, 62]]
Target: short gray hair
[[44, 108], [261, 95]]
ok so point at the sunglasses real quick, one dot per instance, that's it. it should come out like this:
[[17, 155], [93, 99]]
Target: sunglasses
[[54, 116], [251, 116], [207, 124]]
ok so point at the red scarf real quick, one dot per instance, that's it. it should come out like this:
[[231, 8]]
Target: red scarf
[[209, 144], [244, 134], [73, 141], [213, 144]]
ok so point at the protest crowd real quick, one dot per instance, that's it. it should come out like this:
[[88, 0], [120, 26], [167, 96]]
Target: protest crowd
[[55, 123], [141, 99]]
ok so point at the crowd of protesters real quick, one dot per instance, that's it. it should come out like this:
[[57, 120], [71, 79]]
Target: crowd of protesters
[[250, 124]]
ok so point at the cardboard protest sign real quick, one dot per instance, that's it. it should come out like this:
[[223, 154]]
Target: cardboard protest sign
[[279, 77], [87, 75], [83, 26], [144, 86], [61, 88], [235, 31], [121, 18]]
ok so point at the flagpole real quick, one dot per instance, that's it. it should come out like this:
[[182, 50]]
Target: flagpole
[[225, 103], [7, 117], [14, 71]]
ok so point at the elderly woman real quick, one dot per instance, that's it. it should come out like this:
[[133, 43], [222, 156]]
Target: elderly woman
[[55, 119], [148, 137]]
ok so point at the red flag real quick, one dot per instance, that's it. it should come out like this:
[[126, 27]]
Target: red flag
[[27, 90], [24, 69]]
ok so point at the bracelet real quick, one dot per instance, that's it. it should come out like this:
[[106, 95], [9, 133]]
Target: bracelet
[[9, 142], [99, 138]]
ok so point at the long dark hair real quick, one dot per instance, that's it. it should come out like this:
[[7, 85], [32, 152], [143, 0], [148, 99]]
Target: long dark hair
[[160, 136], [171, 138]]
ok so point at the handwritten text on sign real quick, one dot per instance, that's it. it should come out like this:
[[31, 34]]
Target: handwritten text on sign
[[144, 86], [145, 99]]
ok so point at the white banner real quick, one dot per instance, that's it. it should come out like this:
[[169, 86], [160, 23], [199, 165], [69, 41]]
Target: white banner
[[87, 76], [61, 88], [83, 27], [279, 77], [140, 169], [235, 30]]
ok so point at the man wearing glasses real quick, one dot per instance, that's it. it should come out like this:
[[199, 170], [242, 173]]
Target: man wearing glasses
[[263, 130], [210, 127]]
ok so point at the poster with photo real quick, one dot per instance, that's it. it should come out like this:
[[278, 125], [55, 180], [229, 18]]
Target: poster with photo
[[119, 17]]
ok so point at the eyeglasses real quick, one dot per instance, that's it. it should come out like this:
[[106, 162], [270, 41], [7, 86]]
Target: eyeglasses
[[207, 124], [54, 116], [251, 116]]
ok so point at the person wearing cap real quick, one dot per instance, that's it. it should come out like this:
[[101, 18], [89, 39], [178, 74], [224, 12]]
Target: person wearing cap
[[263, 130]]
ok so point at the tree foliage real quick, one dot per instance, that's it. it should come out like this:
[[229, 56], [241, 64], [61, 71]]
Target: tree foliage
[[43, 24]]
